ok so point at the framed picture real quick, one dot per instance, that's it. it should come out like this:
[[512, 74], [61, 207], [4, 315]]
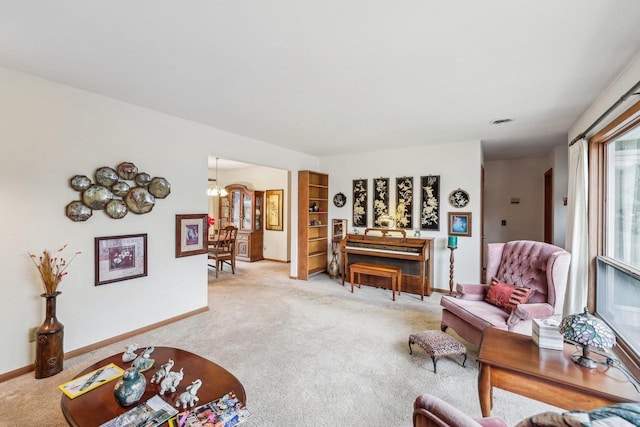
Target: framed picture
[[460, 223], [360, 202], [120, 258], [430, 203], [380, 200], [273, 206], [191, 234], [404, 202]]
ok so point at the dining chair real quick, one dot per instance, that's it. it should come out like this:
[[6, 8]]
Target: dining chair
[[223, 249]]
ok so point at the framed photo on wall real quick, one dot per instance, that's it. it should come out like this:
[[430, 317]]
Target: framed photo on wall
[[191, 234], [273, 206], [460, 224], [120, 258]]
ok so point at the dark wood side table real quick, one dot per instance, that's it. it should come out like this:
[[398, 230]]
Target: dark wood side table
[[99, 405], [513, 362]]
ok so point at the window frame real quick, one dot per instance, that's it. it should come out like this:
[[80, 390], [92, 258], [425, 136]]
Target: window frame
[[622, 124]]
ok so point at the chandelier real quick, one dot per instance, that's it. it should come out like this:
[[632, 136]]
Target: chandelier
[[215, 190]]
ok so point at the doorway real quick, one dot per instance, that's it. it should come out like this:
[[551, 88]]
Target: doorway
[[548, 206]]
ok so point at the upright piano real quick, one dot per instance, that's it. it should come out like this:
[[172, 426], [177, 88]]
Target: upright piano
[[391, 247]]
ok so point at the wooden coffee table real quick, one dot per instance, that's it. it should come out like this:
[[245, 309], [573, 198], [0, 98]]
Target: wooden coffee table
[[513, 362], [99, 405]]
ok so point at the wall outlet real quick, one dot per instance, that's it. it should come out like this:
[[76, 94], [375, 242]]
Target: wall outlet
[[32, 333]]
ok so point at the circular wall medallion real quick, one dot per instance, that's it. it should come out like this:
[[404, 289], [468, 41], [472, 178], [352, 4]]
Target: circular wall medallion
[[459, 198], [120, 188], [106, 176], [139, 200], [339, 200], [80, 182], [159, 187], [143, 179], [78, 211], [116, 209], [127, 170], [96, 196]]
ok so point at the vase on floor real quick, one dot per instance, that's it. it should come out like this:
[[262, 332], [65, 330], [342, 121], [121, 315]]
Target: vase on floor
[[49, 341], [334, 267]]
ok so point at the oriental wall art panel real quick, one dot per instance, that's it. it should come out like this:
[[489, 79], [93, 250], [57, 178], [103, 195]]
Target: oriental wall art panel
[[359, 202], [404, 202], [430, 203], [380, 200]]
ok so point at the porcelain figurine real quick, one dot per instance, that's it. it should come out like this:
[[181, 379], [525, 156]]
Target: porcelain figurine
[[144, 362], [189, 397], [171, 381], [130, 352], [162, 372]]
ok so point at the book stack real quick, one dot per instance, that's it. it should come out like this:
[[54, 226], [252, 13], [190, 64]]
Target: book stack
[[546, 334]]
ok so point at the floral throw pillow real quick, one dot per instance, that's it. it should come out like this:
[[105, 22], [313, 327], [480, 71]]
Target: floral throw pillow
[[507, 296]]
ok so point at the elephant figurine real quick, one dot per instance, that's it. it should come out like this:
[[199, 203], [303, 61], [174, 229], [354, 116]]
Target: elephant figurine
[[171, 381], [162, 372], [189, 397]]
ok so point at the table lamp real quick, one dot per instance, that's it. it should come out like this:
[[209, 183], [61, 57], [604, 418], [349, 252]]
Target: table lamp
[[587, 331]]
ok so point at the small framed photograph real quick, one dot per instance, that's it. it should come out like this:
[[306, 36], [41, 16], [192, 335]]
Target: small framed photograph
[[273, 207], [191, 234], [460, 224], [120, 258]]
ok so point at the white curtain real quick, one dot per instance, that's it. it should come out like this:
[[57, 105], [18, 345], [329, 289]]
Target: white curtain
[[578, 229]]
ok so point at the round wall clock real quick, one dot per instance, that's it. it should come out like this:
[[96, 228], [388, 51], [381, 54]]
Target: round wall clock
[[459, 198], [339, 200]]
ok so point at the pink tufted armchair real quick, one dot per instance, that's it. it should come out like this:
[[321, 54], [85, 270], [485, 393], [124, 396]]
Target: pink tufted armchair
[[536, 265]]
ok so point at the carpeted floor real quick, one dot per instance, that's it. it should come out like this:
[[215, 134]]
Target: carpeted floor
[[309, 353]]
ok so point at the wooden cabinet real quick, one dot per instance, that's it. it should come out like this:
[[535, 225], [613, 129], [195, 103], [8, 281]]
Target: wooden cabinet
[[313, 223], [244, 210]]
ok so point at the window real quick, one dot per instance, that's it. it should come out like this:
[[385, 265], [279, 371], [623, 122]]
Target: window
[[617, 280]]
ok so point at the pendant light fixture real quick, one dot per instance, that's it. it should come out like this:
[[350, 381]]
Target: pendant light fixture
[[216, 190]]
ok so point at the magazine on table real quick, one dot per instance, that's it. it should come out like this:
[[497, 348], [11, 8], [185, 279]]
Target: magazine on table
[[79, 386], [227, 411], [151, 413]]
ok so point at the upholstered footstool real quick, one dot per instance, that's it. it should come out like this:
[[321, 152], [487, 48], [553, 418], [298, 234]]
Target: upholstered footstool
[[437, 344]]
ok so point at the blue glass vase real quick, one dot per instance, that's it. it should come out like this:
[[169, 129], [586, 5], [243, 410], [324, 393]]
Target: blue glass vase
[[130, 388]]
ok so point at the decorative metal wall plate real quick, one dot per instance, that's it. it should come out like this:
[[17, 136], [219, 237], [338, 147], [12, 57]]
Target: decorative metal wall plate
[[339, 200], [459, 198], [96, 196], [106, 176], [160, 188], [78, 212], [114, 194], [116, 209], [139, 200], [80, 182]]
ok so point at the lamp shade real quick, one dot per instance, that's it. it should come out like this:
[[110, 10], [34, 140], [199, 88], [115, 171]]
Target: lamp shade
[[588, 331]]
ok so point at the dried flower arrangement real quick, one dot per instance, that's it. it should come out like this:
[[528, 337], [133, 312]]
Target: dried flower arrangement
[[52, 270]]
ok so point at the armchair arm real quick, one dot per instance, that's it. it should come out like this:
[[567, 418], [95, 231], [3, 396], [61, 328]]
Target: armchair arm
[[539, 310], [471, 291], [429, 410]]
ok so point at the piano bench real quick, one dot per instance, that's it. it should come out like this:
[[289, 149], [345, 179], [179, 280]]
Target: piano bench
[[394, 273]]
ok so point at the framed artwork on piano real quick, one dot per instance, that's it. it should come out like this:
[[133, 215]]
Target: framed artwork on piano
[[430, 203], [360, 202], [380, 200], [404, 202], [460, 224]]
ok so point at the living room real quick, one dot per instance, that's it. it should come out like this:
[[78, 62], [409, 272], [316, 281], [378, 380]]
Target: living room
[[55, 127]]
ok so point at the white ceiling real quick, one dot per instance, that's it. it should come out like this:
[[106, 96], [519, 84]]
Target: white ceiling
[[336, 76]]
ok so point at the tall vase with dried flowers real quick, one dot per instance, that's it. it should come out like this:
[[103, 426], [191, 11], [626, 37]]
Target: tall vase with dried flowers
[[49, 336]]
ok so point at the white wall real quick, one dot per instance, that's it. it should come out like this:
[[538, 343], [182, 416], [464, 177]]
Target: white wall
[[458, 166], [517, 178], [560, 162], [50, 132]]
